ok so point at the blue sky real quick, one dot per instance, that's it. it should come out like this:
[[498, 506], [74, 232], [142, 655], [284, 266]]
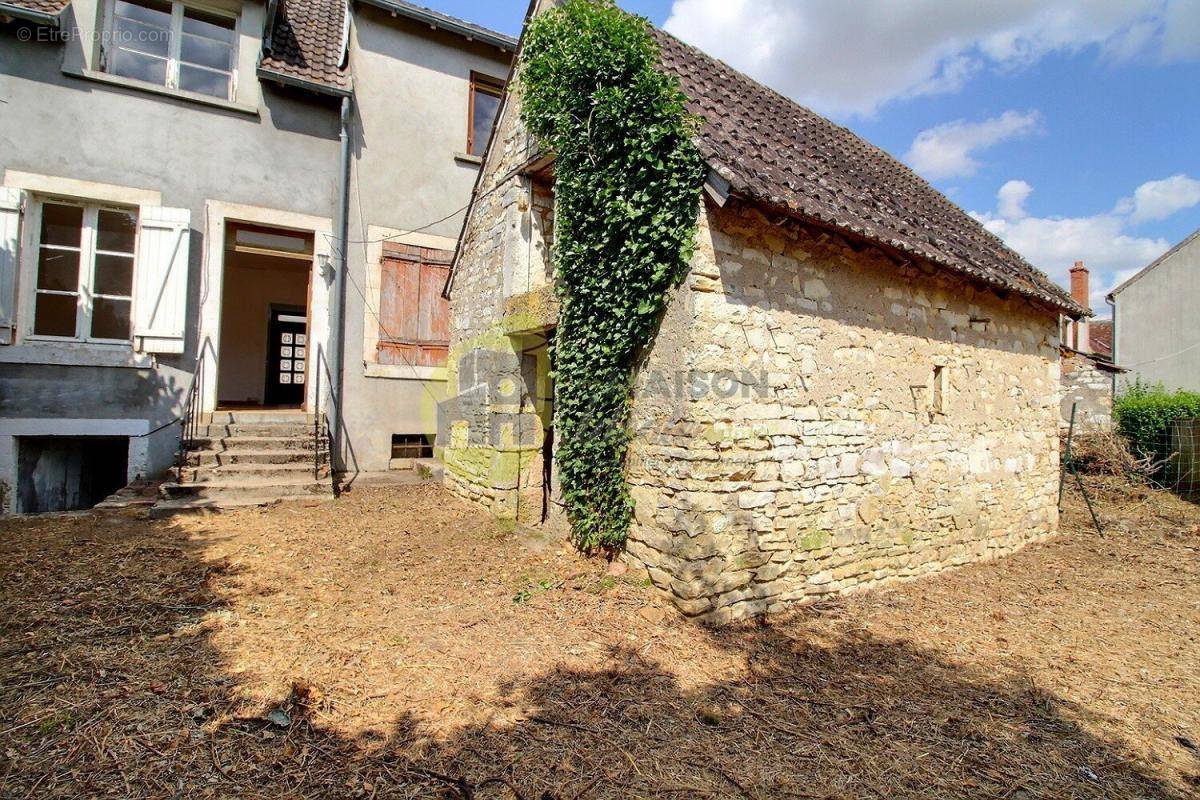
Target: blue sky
[[1070, 127]]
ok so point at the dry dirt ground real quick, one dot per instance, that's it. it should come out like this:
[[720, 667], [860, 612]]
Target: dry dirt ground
[[399, 643]]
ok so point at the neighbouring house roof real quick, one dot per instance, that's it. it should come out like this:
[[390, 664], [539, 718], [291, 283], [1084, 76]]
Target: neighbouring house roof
[[1100, 334], [779, 154], [1100, 362], [1194, 236], [36, 10], [307, 42]]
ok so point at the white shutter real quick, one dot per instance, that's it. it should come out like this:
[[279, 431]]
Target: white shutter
[[10, 237], [160, 279]]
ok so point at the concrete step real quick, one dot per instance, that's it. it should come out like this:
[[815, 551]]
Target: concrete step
[[221, 458], [259, 418], [230, 443], [227, 488], [185, 505], [238, 472], [277, 429]]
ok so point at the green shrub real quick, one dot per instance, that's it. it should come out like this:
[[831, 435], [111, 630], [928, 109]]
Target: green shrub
[[1144, 414]]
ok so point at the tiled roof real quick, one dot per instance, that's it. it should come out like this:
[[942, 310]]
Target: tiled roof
[[50, 7], [1100, 335], [307, 44], [784, 156]]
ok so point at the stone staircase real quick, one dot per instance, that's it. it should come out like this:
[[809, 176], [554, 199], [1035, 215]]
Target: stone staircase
[[248, 458]]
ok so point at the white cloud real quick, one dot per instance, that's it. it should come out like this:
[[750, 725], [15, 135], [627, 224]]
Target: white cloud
[[945, 151], [1010, 200], [851, 57], [1103, 241], [1155, 200]]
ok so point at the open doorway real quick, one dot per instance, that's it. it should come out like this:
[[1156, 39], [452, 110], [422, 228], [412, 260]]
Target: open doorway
[[264, 361], [538, 396]]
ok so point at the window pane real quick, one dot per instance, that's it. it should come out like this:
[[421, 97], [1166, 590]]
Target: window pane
[[61, 224], [132, 35], [138, 66], [146, 11], [484, 111], [114, 275], [110, 318], [115, 230], [54, 315], [206, 52], [58, 270], [211, 26], [194, 79]]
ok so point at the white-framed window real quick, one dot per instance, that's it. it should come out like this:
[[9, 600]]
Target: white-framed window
[[83, 288], [173, 44]]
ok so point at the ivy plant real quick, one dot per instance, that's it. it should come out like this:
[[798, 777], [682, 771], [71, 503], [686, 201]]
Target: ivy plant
[[627, 187]]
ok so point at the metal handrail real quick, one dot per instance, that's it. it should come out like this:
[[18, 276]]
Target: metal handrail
[[322, 437], [190, 421]]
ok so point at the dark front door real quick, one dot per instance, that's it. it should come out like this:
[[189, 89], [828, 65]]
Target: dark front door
[[287, 352]]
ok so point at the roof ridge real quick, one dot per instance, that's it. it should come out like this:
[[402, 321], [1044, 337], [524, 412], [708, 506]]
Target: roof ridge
[[971, 248]]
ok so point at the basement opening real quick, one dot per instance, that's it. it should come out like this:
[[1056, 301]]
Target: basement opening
[[60, 473], [407, 448]]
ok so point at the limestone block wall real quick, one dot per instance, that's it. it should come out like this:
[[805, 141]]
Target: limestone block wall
[[812, 419], [490, 429], [1091, 386]]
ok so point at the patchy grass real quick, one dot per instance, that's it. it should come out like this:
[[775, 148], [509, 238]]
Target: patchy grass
[[374, 648]]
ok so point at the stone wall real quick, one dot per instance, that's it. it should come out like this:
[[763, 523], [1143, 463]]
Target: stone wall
[[1089, 383], [813, 420], [492, 428]]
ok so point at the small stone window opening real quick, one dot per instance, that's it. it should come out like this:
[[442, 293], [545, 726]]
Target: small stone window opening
[[542, 197], [939, 389], [411, 445]]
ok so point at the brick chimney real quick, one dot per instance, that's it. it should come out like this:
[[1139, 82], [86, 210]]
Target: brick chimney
[[1080, 292]]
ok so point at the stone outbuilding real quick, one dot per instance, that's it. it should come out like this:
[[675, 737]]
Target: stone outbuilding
[[855, 384], [1089, 376]]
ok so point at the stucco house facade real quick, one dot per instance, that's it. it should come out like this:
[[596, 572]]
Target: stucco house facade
[[1156, 331], [855, 383], [211, 209]]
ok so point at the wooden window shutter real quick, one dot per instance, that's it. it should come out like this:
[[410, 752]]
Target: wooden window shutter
[[160, 279], [413, 316], [10, 238]]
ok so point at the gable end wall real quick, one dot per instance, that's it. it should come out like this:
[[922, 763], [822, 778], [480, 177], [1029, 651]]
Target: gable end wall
[[799, 454]]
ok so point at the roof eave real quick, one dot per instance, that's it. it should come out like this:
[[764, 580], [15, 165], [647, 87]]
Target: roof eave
[[268, 74], [29, 15], [440, 21]]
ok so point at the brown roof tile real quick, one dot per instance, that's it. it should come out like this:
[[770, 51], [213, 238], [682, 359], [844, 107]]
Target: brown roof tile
[[1100, 336], [307, 43], [780, 154], [52, 7]]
